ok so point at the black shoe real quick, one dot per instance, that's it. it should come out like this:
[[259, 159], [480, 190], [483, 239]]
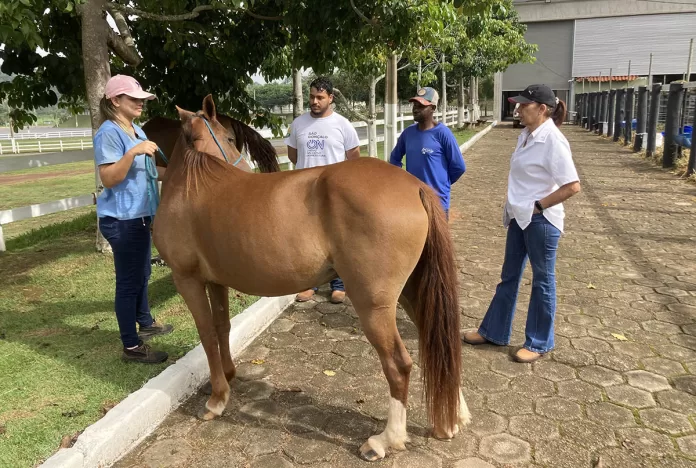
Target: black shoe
[[143, 353], [155, 329]]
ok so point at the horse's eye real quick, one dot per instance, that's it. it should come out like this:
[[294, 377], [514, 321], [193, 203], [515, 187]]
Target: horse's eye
[[230, 140]]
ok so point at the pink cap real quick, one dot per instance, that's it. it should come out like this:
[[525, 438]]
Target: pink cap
[[123, 84]]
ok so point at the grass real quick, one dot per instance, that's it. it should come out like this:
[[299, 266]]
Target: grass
[[59, 341], [16, 194]]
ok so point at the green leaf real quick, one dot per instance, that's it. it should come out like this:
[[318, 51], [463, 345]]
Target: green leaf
[[25, 2]]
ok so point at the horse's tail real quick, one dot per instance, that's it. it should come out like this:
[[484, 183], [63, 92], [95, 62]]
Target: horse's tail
[[261, 150], [436, 312]]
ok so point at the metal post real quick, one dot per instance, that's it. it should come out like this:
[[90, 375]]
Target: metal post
[[578, 108], [610, 113], [650, 71], [603, 112], [587, 111], [692, 155], [595, 112], [652, 118], [642, 118], [628, 129], [590, 114], [676, 90], [611, 76], [618, 113], [687, 76], [628, 78]]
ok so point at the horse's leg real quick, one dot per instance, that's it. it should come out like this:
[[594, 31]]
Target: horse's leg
[[193, 292], [220, 305], [379, 326]]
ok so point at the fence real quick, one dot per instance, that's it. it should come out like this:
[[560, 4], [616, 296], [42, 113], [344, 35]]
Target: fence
[[42, 209], [639, 115], [46, 147], [52, 135]]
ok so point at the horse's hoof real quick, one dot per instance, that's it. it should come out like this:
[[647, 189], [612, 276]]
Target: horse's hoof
[[444, 436], [206, 415], [370, 455]]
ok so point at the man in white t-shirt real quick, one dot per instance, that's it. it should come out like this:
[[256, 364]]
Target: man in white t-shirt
[[318, 138]]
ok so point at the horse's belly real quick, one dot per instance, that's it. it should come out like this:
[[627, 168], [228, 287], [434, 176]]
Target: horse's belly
[[267, 272]]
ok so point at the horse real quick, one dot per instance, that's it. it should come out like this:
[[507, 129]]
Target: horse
[[165, 133], [378, 227]]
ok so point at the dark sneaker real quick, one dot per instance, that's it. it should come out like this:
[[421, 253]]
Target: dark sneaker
[[155, 329], [143, 353]]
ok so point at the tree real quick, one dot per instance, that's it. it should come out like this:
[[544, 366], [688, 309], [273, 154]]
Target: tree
[[489, 42], [270, 95]]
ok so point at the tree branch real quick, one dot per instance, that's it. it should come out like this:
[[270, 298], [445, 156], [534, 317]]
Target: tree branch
[[405, 66], [123, 45], [184, 16], [373, 22], [342, 103], [127, 53]]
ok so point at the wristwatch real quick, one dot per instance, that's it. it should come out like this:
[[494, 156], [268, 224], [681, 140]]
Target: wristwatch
[[537, 205]]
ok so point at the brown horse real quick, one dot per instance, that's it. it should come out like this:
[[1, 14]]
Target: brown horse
[[379, 228], [165, 132]]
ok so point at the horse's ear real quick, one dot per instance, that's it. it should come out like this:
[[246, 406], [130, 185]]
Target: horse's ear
[[209, 108], [184, 115]]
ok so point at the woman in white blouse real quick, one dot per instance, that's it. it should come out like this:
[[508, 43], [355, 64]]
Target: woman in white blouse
[[542, 176]]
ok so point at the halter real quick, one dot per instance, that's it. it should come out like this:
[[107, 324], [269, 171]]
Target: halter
[[224, 155]]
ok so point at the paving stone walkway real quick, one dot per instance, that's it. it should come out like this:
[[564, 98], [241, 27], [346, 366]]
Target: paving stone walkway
[[618, 391]]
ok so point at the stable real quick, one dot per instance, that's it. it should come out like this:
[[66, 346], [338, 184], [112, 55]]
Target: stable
[[583, 44]]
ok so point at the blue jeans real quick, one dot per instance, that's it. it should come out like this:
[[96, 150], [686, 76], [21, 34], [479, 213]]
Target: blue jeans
[[336, 285], [539, 243], [130, 241]]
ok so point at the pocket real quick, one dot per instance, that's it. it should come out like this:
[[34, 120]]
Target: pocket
[[108, 227]]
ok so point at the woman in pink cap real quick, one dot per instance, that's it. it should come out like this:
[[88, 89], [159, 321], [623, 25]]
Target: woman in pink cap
[[125, 209]]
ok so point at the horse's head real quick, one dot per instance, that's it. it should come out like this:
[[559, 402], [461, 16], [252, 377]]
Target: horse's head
[[203, 132]]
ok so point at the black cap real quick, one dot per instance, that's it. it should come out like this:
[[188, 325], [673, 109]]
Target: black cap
[[536, 93]]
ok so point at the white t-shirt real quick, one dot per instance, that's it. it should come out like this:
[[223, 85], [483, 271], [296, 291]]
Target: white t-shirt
[[321, 141], [537, 170]]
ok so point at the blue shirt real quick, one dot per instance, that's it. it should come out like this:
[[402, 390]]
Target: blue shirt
[[431, 155], [129, 199]]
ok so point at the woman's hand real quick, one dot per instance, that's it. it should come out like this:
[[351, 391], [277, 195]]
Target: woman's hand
[[146, 147]]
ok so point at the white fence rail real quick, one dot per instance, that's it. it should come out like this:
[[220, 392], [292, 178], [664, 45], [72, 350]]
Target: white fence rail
[[47, 147], [66, 204], [53, 135]]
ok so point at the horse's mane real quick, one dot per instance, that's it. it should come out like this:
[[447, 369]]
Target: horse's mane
[[261, 150], [198, 165]]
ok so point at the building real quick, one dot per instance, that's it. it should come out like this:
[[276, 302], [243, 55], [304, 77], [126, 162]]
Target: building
[[582, 42]]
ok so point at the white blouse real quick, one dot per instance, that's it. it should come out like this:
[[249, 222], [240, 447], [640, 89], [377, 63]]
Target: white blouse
[[537, 169]]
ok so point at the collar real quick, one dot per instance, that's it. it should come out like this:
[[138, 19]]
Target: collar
[[539, 135]]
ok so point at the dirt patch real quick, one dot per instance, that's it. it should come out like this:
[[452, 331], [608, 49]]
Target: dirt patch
[[32, 293], [45, 332], [17, 179]]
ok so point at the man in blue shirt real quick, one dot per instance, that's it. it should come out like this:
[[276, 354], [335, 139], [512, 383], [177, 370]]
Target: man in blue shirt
[[431, 150]]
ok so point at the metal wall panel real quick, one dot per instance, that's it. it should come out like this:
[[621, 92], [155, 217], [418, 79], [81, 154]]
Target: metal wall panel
[[553, 59], [604, 43]]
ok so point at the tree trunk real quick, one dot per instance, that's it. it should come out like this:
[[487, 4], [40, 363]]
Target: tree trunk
[[372, 118], [460, 103], [475, 111], [390, 106], [443, 98], [297, 99], [95, 61]]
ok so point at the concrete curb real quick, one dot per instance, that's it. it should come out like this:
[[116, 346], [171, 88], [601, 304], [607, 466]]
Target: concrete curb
[[133, 419], [468, 144]]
